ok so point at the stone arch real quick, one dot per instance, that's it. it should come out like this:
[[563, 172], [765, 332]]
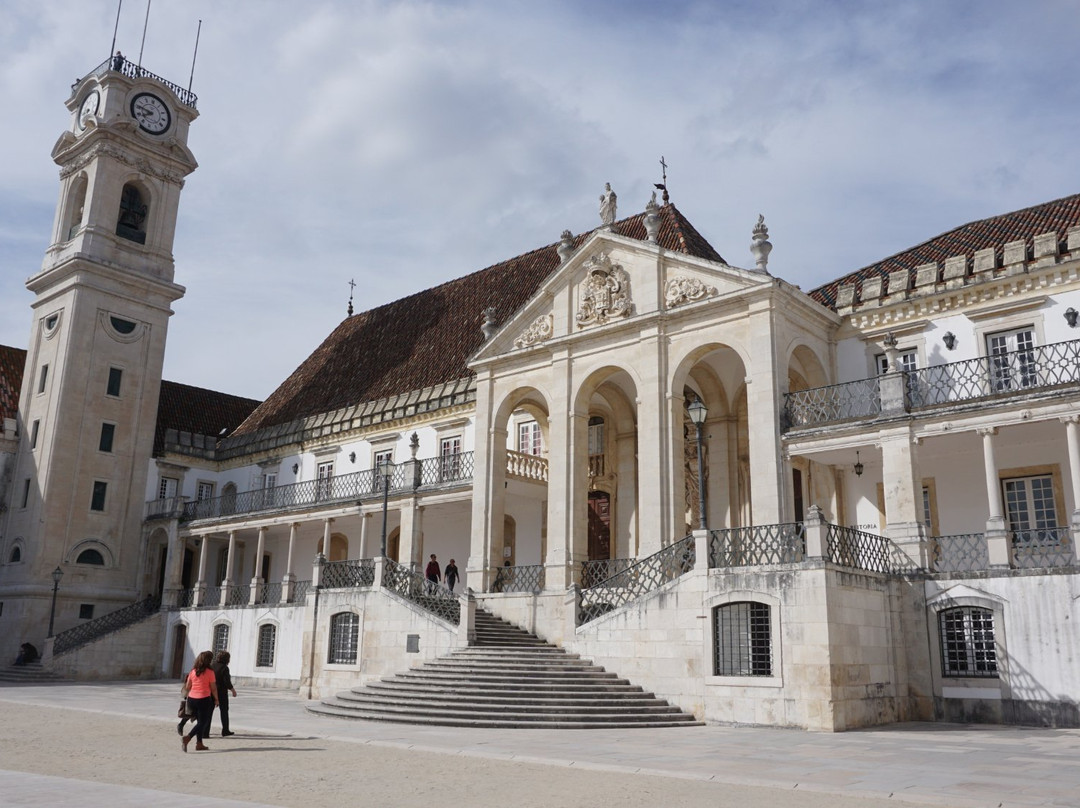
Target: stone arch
[[339, 547], [97, 548], [805, 369], [228, 498], [75, 206], [16, 553], [134, 211]]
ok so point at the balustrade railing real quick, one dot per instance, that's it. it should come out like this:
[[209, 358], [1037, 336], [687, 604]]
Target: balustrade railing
[[960, 552], [167, 508], [348, 574], [836, 402], [858, 549], [757, 544], [637, 580], [529, 578], [300, 592], [270, 594], [239, 595], [593, 572], [526, 466], [173, 599], [1047, 547], [134, 71], [211, 597], [452, 468], [430, 596], [106, 624]]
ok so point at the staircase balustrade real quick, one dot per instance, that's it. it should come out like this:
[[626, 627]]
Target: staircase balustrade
[[106, 624], [430, 596], [637, 580]]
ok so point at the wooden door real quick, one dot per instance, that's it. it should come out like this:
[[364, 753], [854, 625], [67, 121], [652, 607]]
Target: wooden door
[[599, 525], [179, 645]]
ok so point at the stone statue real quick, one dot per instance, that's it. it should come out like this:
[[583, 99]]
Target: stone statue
[[607, 204]]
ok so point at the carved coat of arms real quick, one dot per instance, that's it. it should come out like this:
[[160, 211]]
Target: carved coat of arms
[[605, 292]]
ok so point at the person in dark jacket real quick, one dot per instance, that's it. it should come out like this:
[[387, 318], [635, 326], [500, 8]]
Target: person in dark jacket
[[450, 575], [225, 688]]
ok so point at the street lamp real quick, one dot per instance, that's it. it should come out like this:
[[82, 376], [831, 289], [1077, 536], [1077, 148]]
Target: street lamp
[[57, 574], [387, 471], [698, 413]]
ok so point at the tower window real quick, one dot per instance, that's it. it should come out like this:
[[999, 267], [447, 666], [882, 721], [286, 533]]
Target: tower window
[[97, 501], [34, 433], [25, 492], [43, 378], [16, 555], [121, 325], [113, 387], [106, 441], [131, 223]]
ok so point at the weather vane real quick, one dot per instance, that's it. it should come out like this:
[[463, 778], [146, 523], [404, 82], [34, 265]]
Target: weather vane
[[663, 185], [352, 285]]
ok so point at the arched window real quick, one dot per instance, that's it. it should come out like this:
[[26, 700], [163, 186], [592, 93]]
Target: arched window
[[344, 638], [76, 203], [339, 547], [16, 555], [742, 634], [264, 657], [131, 222], [221, 637], [967, 642], [228, 498], [91, 557]]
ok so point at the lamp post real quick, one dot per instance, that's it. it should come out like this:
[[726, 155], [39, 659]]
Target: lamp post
[[698, 413], [387, 471], [57, 574]]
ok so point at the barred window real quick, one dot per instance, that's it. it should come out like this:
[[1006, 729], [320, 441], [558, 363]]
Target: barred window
[[742, 639], [264, 658], [344, 637], [967, 642], [221, 637]]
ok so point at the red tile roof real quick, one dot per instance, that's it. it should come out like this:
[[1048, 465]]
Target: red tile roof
[[427, 339], [12, 361], [199, 411], [1057, 217]]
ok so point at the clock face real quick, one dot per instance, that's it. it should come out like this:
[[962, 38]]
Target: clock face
[[151, 113], [89, 108]]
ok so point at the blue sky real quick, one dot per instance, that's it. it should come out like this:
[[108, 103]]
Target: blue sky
[[403, 144]]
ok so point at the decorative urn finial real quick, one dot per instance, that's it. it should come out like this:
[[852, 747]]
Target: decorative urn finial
[[490, 326], [566, 246], [414, 444], [652, 219], [760, 247]]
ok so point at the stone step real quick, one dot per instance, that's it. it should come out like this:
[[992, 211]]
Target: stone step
[[467, 664], [626, 712], [31, 673], [497, 677], [474, 702], [508, 689]]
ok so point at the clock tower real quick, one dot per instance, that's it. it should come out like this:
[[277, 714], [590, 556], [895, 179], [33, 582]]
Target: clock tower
[[88, 404]]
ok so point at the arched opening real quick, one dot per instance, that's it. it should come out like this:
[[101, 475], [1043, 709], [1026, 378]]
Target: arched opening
[[91, 557], [16, 555], [228, 498], [339, 547], [393, 542], [76, 204], [131, 220]]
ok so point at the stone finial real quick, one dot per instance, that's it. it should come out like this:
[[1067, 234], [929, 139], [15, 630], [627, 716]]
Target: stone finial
[[414, 444], [608, 203], [566, 246], [760, 247], [490, 326], [652, 219], [892, 353]]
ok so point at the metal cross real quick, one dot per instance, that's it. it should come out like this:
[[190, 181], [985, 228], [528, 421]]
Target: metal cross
[[663, 171], [352, 286]]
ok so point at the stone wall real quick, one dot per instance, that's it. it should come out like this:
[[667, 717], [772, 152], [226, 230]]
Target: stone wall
[[133, 652]]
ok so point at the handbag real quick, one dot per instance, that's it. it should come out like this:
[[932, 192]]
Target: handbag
[[182, 712]]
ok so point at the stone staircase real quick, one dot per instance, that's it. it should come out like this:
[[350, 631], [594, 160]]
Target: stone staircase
[[32, 673], [508, 679]]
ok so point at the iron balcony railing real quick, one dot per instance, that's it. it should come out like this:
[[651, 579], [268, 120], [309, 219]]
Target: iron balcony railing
[[529, 578], [1004, 375], [756, 545], [270, 594], [134, 71], [1047, 547], [859, 550], [960, 552], [165, 508], [239, 595], [348, 574], [637, 580], [106, 624], [300, 592], [593, 572], [431, 596]]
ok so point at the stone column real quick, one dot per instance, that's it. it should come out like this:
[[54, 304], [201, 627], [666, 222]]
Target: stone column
[[200, 583], [256, 580], [365, 520], [903, 495], [763, 405], [489, 476], [656, 409], [230, 564], [288, 581], [174, 560], [816, 532], [997, 536], [1072, 438], [562, 424], [409, 546], [326, 536]]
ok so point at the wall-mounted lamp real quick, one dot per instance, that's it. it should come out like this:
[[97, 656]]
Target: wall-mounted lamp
[[1070, 317], [949, 339], [352, 457], [295, 468], [858, 465]]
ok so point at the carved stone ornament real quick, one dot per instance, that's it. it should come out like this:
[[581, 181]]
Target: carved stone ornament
[[140, 164], [683, 290], [539, 331], [605, 292]]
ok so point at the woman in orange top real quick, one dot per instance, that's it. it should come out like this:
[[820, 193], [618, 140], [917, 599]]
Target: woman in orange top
[[200, 688]]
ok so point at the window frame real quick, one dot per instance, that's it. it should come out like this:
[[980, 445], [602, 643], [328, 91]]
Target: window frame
[[119, 377], [776, 677], [35, 433], [338, 645], [530, 438], [106, 446], [967, 615], [43, 378], [271, 630], [99, 493], [216, 631]]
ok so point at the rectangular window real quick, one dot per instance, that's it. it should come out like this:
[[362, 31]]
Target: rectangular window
[[25, 492], [344, 638], [34, 433], [86, 611], [742, 639], [204, 491], [43, 378], [450, 458], [908, 361], [167, 487], [324, 472], [529, 438], [264, 657], [269, 481], [381, 459], [113, 386], [97, 500], [967, 642], [221, 637], [1012, 359], [108, 431]]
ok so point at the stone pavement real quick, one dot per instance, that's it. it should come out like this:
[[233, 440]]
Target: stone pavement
[[934, 764]]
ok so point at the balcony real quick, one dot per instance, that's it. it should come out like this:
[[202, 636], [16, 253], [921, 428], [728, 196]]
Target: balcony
[[1001, 377]]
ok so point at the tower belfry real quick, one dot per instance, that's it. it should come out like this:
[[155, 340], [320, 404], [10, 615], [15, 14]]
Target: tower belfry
[[103, 297]]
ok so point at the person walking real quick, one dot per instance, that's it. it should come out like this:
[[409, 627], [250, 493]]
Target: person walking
[[224, 688], [433, 574], [450, 575], [201, 691]]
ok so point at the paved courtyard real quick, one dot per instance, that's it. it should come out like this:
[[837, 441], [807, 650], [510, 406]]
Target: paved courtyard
[[115, 744]]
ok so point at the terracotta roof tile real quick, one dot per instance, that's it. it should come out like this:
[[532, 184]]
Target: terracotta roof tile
[[199, 411], [12, 361], [427, 339], [1057, 216]]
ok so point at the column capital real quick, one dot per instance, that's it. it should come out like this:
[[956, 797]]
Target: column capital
[[1070, 419], [986, 431]]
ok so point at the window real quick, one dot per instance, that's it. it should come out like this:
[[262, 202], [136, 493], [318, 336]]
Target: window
[[529, 438], [344, 634], [35, 427], [221, 637], [131, 222], [106, 441], [324, 472], [269, 480], [596, 446], [43, 378], [121, 325], [25, 493], [384, 458], [204, 491], [92, 557], [112, 388], [450, 458], [1012, 359], [264, 657], [1030, 506], [967, 642], [742, 639], [167, 487], [86, 611], [97, 500], [909, 362], [16, 555]]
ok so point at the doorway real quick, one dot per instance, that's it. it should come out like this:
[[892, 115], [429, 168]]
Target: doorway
[[176, 670], [599, 526]]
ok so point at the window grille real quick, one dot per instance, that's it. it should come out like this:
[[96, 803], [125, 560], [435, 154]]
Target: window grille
[[264, 657], [221, 637], [742, 639], [967, 642], [344, 638]]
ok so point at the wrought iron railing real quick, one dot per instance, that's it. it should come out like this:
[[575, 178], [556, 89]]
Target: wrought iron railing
[[453, 468], [757, 544], [528, 578], [837, 402], [637, 580], [211, 597], [173, 599], [134, 71], [167, 508], [526, 466], [300, 592], [270, 594], [960, 552], [1048, 547], [239, 595], [858, 549], [348, 574], [430, 596], [593, 572], [106, 624]]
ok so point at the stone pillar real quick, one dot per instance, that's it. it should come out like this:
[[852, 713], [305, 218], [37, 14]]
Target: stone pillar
[[997, 536], [763, 403], [365, 520], [891, 383], [409, 548], [1072, 438], [256, 580], [466, 634], [288, 581], [816, 532], [656, 408], [489, 478], [174, 560], [326, 536], [559, 560], [200, 583], [701, 550], [903, 495]]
